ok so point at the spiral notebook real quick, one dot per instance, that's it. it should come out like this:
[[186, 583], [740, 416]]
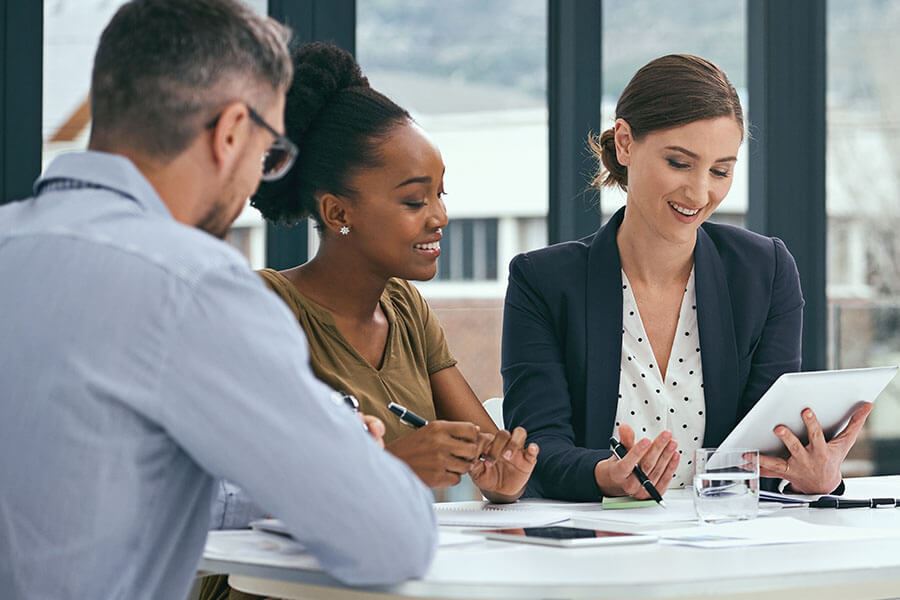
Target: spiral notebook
[[485, 514]]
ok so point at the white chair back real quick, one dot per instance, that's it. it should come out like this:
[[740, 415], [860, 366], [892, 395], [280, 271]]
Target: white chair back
[[494, 407]]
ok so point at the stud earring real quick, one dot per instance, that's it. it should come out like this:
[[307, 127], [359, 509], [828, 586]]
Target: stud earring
[[345, 230]]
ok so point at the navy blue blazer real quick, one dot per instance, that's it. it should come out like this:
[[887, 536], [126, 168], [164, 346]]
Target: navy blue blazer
[[562, 343]]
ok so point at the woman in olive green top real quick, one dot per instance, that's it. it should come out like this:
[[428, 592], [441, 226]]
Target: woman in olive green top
[[373, 182]]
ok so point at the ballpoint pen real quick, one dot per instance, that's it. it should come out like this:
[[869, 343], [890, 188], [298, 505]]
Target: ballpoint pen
[[407, 416], [350, 401], [619, 450], [835, 502]]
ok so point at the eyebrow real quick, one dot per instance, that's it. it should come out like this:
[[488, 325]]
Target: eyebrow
[[694, 155], [411, 180]]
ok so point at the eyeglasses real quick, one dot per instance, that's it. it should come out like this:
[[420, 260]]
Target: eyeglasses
[[280, 156]]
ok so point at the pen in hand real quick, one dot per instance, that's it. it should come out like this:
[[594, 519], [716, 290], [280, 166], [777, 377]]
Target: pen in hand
[[619, 450], [407, 416]]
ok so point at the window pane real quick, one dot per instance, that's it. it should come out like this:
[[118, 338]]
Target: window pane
[[863, 186], [637, 31], [71, 32], [473, 74]]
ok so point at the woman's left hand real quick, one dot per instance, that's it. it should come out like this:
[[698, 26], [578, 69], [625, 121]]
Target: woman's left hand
[[506, 467], [816, 467]]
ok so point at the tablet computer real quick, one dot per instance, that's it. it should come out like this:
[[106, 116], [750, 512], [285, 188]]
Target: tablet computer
[[566, 537], [832, 395]]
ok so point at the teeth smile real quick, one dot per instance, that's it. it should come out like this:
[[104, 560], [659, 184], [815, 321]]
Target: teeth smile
[[685, 211], [431, 246]]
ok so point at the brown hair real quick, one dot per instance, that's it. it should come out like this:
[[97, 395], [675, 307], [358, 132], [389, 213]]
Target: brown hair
[[667, 92]]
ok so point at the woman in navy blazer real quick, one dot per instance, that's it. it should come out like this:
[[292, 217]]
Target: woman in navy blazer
[[673, 148]]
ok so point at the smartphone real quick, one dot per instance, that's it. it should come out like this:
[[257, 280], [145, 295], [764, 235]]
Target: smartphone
[[566, 537]]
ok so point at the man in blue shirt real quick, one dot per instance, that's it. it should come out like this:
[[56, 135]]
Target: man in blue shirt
[[141, 359]]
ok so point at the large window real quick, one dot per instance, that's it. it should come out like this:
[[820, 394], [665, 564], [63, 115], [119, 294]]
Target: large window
[[637, 31], [863, 200], [71, 33], [473, 74]]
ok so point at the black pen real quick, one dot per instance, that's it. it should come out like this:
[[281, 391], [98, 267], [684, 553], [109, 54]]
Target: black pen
[[619, 450], [832, 502], [407, 416]]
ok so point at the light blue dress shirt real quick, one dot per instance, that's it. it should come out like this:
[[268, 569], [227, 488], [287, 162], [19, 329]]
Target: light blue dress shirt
[[142, 360]]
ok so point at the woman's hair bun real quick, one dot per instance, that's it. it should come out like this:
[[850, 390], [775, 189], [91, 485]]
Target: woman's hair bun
[[611, 171], [321, 71]]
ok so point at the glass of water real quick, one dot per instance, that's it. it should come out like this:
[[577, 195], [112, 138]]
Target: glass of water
[[726, 484]]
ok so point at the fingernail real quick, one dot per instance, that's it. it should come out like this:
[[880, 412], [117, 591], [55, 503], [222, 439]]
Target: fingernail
[[507, 455], [807, 414]]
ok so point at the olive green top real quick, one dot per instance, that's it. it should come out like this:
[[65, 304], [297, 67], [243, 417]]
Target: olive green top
[[415, 349]]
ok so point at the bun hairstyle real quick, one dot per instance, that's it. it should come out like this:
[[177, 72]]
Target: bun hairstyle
[[667, 92], [337, 121]]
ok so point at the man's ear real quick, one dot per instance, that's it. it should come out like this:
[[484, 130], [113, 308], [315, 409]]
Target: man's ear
[[230, 135], [335, 212], [624, 139]]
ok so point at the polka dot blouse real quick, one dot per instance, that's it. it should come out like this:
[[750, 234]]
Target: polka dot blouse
[[649, 404]]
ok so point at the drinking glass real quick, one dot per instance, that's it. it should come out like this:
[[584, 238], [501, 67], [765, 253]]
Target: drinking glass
[[726, 484]]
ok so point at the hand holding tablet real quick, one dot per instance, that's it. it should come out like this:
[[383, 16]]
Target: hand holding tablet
[[806, 423]]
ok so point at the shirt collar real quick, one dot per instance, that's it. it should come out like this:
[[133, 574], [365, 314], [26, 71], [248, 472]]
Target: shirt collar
[[111, 171]]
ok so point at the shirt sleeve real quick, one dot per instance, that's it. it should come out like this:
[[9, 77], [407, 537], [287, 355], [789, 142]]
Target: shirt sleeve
[[237, 393], [233, 508], [437, 352]]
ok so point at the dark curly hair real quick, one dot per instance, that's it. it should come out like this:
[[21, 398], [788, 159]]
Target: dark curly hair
[[337, 120], [669, 91]]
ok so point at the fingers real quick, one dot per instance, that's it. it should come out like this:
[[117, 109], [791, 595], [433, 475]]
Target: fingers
[[814, 430], [516, 443], [794, 446], [496, 448], [649, 460], [621, 470], [376, 428], [655, 474], [854, 427], [771, 466], [458, 429], [626, 435], [668, 474]]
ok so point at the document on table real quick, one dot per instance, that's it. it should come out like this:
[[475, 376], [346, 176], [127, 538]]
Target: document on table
[[277, 526], [777, 530], [485, 514], [258, 548], [678, 510]]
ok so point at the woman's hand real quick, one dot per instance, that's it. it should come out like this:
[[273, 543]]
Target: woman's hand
[[658, 460], [506, 467], [374, 426], [816, 467], [441, 452]]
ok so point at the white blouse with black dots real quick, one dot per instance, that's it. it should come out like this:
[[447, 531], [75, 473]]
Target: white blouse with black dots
[[647, 403]]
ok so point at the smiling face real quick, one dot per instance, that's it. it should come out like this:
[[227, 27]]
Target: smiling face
[[678, 177], [397, 213]]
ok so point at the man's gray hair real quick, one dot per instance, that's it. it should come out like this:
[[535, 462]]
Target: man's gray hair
[[163, 67]]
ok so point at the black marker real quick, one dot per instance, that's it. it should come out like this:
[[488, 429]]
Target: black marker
[[619, 450], [407, 416]]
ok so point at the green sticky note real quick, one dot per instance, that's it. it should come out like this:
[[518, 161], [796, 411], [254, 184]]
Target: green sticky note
[[611, 503]]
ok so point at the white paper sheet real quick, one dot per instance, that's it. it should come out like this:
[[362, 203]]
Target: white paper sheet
[[484, 514], [776, 530]]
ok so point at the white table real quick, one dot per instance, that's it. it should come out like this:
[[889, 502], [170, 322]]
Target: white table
[[491, 569]]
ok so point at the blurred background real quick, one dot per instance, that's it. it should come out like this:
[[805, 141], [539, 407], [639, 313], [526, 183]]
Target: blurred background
[[495, 82]]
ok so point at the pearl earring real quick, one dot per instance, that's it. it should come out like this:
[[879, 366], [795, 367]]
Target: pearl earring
[[345, 230]]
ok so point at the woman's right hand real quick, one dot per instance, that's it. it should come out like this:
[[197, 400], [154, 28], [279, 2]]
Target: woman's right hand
[[658, 460], [441, 452]]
